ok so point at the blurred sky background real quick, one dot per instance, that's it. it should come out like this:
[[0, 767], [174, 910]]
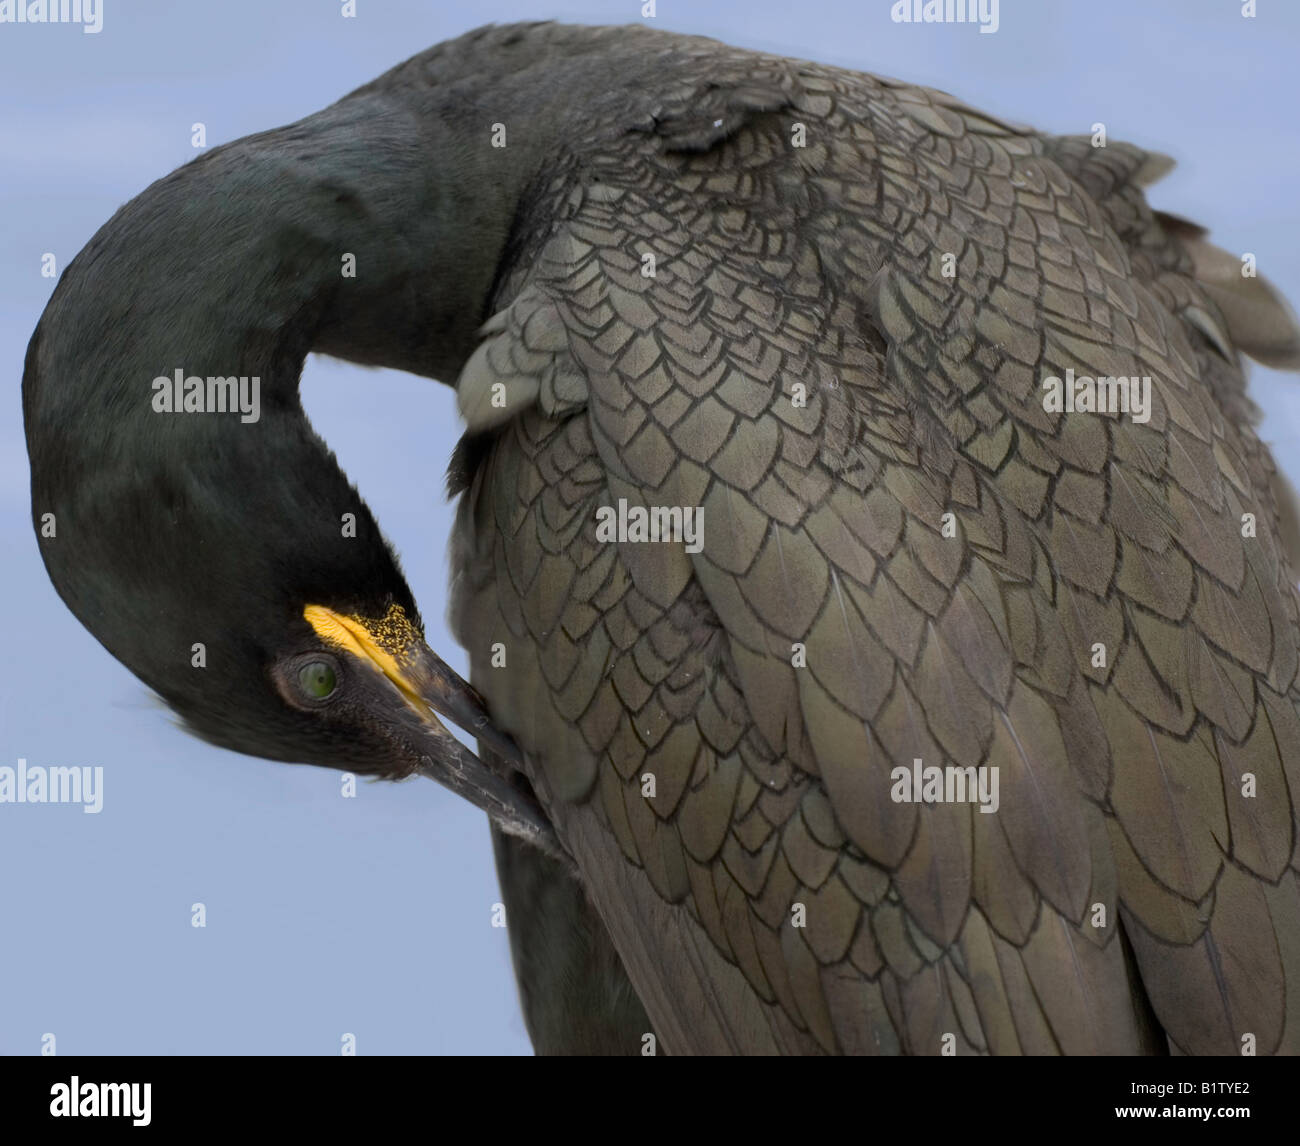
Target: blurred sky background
[[372, 915]]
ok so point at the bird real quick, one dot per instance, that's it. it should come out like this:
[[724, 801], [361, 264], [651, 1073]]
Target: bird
[[880, 606]]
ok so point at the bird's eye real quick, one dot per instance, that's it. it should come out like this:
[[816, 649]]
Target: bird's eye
[[317, 679]]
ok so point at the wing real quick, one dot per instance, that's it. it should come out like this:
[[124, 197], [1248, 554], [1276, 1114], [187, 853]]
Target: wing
[[820, 307]]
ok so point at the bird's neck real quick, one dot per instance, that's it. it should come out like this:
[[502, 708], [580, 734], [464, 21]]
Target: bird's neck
[[371, 231]]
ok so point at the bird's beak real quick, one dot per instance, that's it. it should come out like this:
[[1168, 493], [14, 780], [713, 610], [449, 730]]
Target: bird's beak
[[428, 685]]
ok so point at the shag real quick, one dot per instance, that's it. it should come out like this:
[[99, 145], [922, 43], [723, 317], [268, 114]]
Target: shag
[[742, 790]]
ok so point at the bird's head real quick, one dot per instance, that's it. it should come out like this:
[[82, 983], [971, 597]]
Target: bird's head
[[187, 512]]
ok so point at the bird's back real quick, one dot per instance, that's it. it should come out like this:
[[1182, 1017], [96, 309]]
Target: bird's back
[[818, 314]]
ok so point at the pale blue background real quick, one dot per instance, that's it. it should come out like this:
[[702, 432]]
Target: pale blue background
[[371, 915]]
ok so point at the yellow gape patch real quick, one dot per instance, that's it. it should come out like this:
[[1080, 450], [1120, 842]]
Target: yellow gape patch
[[388, 642]]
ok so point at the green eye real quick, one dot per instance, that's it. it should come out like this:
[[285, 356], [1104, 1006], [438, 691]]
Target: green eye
[[317, 679]]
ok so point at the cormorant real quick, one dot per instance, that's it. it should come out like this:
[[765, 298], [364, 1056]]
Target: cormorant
[[986, 529]]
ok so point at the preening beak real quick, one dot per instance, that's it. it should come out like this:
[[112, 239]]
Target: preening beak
[[431, 683], [394, 647]]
